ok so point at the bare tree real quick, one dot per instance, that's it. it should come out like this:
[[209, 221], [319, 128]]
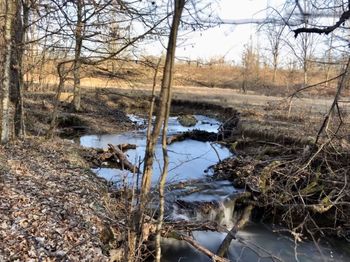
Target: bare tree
[[82, 19], [250, 65], [274, 33], [166, 82], [6, 82], [12, 82], [334, 7], [274, 37], [78, 34], [165, 107], [17, 83]]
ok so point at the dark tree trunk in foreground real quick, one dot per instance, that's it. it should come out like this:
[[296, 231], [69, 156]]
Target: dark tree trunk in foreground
[[12, 81], [165, 97], [17, 67], [152, 137]]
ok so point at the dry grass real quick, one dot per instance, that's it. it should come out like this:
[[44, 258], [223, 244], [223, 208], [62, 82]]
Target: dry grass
[[129, 75]]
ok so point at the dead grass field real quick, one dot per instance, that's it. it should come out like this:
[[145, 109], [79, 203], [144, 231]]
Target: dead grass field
[[211, 75]]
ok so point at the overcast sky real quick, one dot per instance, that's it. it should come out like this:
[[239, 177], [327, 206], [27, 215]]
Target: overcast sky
[[226, 40]]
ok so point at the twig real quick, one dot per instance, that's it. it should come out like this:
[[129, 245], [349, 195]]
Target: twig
[[216, 152], [199, 247], [341, 85]]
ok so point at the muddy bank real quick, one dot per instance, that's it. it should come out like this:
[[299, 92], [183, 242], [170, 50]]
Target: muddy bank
[[101, 113]]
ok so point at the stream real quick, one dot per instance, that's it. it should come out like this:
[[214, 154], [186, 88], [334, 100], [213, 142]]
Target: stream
[[201, 199]]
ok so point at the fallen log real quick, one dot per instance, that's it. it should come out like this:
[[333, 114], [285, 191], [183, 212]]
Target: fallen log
[[122, 147], [122, 159], [232, 233], [105, 156], [197, 246], [114, 156]]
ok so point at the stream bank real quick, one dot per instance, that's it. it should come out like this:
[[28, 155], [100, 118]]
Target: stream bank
[[256, 145]]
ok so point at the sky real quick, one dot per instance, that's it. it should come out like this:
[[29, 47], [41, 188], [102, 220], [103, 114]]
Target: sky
[[226, 41]]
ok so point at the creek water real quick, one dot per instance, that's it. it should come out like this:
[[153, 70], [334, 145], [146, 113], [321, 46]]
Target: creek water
[[201, 199], [188, 159]]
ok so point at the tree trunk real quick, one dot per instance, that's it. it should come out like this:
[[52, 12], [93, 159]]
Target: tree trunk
[[165, 95], [162, 182], [329, 60], [305, 73], [62, 74], [5, 99], [161, 119], [17, 67], [43, 55], [77, 56], [165, 167], [275, 64]]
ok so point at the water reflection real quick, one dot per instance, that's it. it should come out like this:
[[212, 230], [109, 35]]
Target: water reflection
[[188, 159]]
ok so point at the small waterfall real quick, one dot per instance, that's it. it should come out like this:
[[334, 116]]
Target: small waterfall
[[201, 208]]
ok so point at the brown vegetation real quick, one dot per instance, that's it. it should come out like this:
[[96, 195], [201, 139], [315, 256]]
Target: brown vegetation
[[211, 75]]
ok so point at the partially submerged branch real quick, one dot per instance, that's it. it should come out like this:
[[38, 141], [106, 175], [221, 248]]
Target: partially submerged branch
[[232, 233], [123, 160], [199, 247]]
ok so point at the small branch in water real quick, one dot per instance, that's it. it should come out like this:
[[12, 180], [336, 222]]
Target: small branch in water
[[216, 152], [122, 158], [125, 147], [198, 246], [232, 233]]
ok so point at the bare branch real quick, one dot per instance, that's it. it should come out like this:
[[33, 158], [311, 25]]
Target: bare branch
[[329, 29]]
